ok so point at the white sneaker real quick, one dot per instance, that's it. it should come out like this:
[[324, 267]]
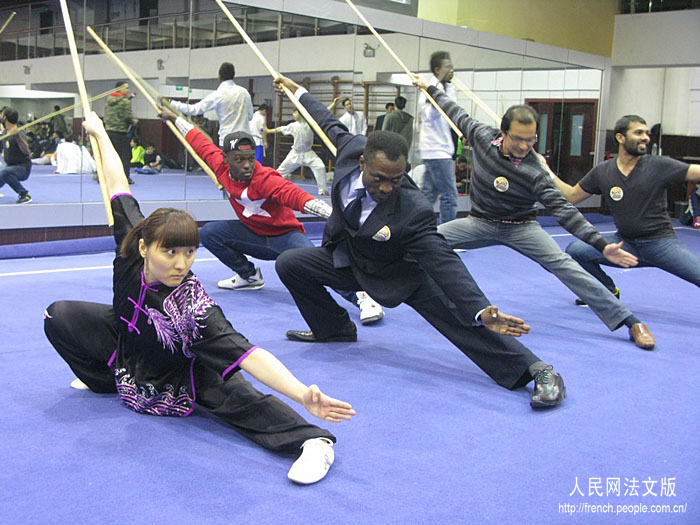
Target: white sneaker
[[314, 462], [370, 310], [78, 384], [254, 282]]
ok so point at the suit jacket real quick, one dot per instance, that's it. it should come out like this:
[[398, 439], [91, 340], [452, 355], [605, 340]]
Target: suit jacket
[[398, 247], [380, 122]]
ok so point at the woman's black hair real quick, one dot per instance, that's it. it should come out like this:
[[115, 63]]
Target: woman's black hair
[[166, 227]]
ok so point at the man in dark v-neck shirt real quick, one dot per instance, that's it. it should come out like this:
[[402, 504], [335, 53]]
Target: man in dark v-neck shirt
[[634, 186]]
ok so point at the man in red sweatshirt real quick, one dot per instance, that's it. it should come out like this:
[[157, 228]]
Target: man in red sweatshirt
[[264, 203]]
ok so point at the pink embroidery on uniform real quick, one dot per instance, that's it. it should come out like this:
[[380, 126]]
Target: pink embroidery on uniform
[[184, 312]]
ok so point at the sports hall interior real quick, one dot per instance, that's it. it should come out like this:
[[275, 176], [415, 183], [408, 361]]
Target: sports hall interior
[[435, 440]]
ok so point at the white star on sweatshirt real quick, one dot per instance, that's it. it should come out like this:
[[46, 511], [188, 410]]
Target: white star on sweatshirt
[[251, 207]]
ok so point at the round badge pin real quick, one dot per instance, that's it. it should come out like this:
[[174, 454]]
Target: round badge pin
[[501, 184], [616, 193]]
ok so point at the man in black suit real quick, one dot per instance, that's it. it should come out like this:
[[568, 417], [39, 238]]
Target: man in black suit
[[389, 106], [382, 238]]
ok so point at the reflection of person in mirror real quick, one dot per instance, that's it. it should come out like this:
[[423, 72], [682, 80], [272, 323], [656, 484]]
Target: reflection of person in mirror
[[72, 158], [58, 123], [230, 102], [165, 346], [352, 119], [389, 109], [508, 179], [16, 152], [400, 121], [302, 153], [634, 186], [118, 119], [152, 161], [258, 129], [435, 142]]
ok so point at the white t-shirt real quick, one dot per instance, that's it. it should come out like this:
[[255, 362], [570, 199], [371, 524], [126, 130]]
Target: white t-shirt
[[356, 123], [435, 140], [257, 127]]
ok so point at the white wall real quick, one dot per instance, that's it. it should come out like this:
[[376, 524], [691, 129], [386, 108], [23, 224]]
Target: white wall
[[670, 96], [657, 39], [656, 70]]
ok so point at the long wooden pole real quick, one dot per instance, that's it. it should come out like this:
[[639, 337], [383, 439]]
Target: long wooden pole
[[309, 119], [60, 111], [403, 66], [491, 113], [86, 110], [152, 102], [8, 22]]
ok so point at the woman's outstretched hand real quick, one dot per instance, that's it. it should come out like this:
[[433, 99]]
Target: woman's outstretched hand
[[325, 407]]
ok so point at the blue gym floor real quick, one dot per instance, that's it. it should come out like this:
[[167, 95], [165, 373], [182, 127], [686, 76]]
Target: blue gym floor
[[434, 440]]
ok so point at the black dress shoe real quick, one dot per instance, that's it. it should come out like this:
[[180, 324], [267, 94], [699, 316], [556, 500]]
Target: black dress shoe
[[309, 337], [549, 389]]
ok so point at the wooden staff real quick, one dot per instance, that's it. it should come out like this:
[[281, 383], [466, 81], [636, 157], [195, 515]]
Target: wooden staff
[[64, 110], [491, 113], [8, 22], [403, 66], [152, 102], [309, 119], [86, 110]]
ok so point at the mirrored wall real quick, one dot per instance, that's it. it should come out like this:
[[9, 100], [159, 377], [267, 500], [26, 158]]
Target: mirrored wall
[[177, 52]]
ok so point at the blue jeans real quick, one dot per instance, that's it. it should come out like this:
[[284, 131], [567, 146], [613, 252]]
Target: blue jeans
[[533, 242], [12, 175], [231, 241], [440, 180], [666, 253]]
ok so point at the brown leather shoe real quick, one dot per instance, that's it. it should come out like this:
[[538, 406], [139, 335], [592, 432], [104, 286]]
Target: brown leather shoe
[[640, 334]]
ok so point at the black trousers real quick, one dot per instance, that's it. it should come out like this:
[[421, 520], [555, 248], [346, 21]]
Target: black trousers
[[87, 346], [306, 271], [123, 146]]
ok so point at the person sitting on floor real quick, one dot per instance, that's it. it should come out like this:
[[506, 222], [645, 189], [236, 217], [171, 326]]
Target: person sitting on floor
[[152, 161], [71, 158], [137, 154], [172, 348]]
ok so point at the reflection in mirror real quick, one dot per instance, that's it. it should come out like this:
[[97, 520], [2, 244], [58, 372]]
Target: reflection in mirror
[[293, 149], [213, 27], [46, 120], [566, 98], [347, 62]]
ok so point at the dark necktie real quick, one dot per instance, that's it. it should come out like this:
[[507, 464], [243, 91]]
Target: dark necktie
[[353, 210]]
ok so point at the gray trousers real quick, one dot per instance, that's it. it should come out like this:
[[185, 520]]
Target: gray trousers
[[533, 242]]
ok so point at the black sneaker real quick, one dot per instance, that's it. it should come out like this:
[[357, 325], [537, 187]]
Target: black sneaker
[[24, 199], [580, 302]]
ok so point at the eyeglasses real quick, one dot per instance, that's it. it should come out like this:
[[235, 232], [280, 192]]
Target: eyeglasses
[[529, 142]]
